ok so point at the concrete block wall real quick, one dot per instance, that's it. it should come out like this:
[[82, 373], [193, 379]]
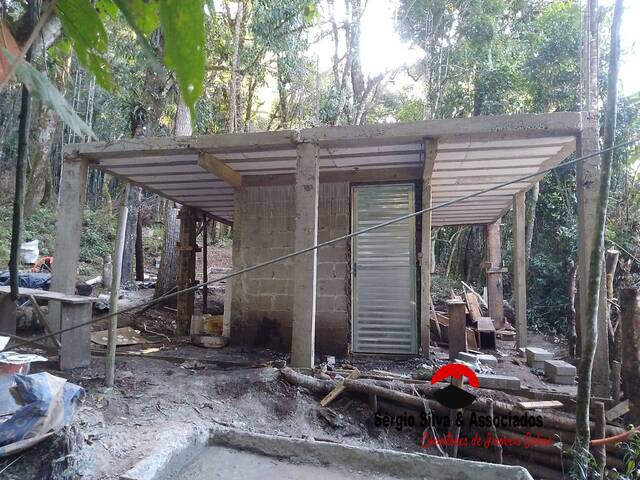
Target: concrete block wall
[[262, 300]]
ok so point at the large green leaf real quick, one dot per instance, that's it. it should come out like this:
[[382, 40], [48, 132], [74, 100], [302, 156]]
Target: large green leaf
[[142, 15], [39, 85], [183, 28], [82, 24]]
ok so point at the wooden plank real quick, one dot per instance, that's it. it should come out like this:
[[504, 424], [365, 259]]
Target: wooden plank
[[540, 405], [620, 409], [333, 394], [49, 295], [457, 328], [220, 169], [472, 305]]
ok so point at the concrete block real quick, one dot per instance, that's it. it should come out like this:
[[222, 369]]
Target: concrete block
[[499, 382], [563, 380], [556, 368], [537, 356], [473, 358]]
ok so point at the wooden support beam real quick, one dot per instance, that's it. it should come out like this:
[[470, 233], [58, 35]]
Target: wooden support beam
[[73, 185], [219, 169], [587, 190], [430, 151], [520, 269], [205, 273], [457, 328], [630, 324], [186, 271], [494, 271], [305, 265]]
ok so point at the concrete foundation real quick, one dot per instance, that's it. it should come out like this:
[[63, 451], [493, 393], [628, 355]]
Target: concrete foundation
[[303, 459], [537, 356], [262, 300]]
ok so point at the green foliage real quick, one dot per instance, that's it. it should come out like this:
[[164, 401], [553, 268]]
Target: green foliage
[[82, 24], [183, 29], [98, 235], [39, 85], [631, 470]]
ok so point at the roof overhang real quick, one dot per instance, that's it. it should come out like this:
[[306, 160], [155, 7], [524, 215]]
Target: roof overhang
[[472, 154]]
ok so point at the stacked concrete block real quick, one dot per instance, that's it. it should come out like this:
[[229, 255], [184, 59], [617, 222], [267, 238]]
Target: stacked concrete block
[[499, 382], [474, 358], [537, 356], [560, 372], [262, 300]]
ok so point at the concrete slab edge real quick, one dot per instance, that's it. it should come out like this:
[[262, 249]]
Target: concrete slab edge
[[172, 446], [172, 455]]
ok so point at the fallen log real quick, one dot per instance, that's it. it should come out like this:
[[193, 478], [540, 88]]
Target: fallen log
[[321, 387]]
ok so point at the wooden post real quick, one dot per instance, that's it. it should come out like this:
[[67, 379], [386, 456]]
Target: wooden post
[[494, 273], [520, 269], [186, 271], [630, 324], [600, 452], [587, 190], [305, 265], [110, 358], [205, 273], [73, 186], [457, 328]]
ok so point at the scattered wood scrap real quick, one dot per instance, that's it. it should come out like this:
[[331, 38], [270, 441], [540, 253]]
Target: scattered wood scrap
[[333, 394], [620, 409], [540, 405]]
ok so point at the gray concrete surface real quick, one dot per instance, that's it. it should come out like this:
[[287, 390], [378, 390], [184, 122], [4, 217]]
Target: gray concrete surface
[[237, 454]]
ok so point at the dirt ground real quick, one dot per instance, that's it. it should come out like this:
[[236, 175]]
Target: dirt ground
[[182, 384], [176, 384]]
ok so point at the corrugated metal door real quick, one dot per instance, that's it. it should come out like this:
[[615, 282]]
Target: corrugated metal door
[[383, 268]]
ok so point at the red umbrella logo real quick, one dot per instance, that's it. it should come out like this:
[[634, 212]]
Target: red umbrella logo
[[453, 396]]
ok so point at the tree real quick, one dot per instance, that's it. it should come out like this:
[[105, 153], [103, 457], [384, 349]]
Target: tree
[[592, 290]]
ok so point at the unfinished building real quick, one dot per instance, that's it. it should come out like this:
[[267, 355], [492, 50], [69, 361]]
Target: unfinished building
[[287, 190]]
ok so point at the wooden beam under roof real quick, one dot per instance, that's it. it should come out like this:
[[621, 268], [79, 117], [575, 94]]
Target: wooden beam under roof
[[219, 169]]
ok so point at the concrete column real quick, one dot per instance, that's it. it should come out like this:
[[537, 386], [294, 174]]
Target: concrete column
[[305, 265], [430, 150], [588, 185], [494, 272], [520, 269], [235, 301], [73, 187]]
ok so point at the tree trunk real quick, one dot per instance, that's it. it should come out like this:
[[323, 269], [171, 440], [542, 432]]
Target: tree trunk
[[128, 258], [592, 290], [531, 219], [21, 167], [170, 259], [40, 175]]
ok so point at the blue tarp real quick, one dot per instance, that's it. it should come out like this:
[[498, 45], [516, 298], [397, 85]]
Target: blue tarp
[[48, 403], [38, 280]]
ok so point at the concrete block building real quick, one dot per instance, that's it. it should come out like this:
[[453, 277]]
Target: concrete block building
[[285, 191]]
